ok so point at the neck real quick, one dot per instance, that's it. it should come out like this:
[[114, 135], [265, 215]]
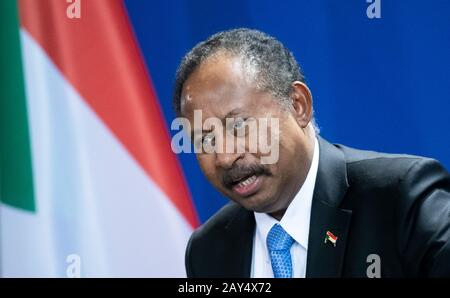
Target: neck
[[278, 215]]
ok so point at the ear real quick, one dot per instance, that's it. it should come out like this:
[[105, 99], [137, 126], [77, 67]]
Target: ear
[[302, 103]]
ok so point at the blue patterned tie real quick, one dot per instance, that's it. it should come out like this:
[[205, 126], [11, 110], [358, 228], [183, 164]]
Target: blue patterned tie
[[279, 243]]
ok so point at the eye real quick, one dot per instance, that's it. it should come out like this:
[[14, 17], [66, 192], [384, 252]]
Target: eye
[[239, 123], [208, 141], [239, 127]]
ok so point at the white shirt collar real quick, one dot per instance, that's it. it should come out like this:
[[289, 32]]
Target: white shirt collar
[[296, 219]]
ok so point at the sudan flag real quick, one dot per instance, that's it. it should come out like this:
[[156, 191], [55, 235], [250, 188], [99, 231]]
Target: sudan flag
[[89, 185]]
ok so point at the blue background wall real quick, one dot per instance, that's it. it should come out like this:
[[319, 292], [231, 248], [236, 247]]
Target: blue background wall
[[379, 84]]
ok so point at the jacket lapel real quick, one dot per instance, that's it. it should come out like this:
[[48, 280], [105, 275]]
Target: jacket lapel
[[325, 252], [238, 255]]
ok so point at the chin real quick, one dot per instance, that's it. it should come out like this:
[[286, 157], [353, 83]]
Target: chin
[[260, 205]]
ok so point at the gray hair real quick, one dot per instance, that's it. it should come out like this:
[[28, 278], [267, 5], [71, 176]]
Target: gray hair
[[270, 64]]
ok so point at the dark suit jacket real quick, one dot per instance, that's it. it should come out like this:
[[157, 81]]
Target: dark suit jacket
[[395, 206]]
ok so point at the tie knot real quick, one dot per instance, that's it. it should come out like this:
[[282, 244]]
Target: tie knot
[[279, 239]]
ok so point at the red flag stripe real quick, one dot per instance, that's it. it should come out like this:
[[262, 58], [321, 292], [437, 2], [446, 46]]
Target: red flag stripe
[[99, 56]]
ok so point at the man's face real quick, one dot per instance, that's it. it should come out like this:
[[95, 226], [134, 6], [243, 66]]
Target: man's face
[[221, 88]]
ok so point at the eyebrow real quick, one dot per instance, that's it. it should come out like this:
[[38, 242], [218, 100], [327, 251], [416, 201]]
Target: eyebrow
[[233, 112], [196, 131], [230, 114]]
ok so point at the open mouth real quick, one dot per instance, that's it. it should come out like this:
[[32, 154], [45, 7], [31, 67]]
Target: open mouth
[[247, 186]]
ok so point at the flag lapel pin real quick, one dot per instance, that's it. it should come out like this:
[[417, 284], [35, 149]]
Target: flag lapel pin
[[331, 238]]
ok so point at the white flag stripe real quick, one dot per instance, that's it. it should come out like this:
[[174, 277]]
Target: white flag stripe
[[93, 199]]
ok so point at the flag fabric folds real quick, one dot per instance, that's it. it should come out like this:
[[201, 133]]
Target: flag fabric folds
[[87, 172]]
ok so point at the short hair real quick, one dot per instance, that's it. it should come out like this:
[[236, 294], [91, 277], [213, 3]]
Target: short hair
[[273, 65]]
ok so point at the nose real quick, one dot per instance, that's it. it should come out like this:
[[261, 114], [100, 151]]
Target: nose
[[226, 157], [226, 160]]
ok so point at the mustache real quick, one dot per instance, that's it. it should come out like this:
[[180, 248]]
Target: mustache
[[238, 172]]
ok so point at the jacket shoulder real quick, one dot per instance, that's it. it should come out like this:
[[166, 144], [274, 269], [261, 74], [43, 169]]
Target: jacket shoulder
[[379, 168], [207, 243], [219, 220], [408, 198], [353, 155]]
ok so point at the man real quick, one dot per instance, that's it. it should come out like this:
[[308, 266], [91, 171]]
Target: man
[[321, 210]]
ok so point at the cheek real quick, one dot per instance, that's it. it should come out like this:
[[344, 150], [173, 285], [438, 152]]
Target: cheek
[[287, 152], [206, 162], [289, 134], [287, 157]]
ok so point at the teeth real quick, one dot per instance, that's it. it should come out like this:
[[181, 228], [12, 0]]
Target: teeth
[[247, 181]]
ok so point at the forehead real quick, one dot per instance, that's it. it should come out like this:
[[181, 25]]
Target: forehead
[[219, 85]]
